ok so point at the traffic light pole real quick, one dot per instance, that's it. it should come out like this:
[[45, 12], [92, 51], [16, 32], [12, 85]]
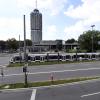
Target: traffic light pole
[[26, 83], [25, 56], [25, 74]]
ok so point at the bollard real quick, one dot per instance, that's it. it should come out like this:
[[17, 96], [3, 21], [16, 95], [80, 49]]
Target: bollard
[[52, 79]]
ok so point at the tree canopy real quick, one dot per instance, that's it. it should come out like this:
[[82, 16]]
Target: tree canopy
[[2, 45], [12, 44], [85, 40], [71, 40]]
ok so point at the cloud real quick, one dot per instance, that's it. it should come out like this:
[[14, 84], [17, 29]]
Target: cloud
[[88, 10], [51, 33], [75, 30], [11, 28], [52, 6], [86, 14]]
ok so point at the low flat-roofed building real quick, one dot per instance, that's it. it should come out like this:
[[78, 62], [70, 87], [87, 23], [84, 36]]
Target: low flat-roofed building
[[52, 45]]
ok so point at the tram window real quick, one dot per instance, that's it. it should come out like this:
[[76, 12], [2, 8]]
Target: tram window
[[53, 57], [29, 58], [68, 57], [37, 57]]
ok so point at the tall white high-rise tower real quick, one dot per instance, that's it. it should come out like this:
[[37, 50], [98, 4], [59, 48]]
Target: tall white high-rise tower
[[36, 25]]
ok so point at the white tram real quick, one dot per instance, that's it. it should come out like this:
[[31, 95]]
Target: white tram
[[56, 56]]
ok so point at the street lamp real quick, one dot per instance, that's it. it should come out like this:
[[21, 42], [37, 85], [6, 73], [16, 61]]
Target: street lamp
[[20, 50], [77, 49], [25, 56], [92, 26]]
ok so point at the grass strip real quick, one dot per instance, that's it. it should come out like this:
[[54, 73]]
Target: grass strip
[[45, 63], [46, 83]]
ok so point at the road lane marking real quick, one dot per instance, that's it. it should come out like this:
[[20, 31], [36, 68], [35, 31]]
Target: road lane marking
[[33, 94], [48, 72], [4, 66], [92, 94]]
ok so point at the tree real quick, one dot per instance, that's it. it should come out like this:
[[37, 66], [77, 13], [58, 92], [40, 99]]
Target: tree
[[85, 40], [59, 45], [28, 42], [71, 40], [12, 44], [2, 45]]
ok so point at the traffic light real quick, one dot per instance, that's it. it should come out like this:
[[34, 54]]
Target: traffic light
[[2, 72], [25, 69]]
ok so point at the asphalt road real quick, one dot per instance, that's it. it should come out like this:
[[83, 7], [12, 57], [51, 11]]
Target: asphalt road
[[46, 76], [4, 59], [42, 73], [80, 91], [16, 95], [56, 67], [89, 90]]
